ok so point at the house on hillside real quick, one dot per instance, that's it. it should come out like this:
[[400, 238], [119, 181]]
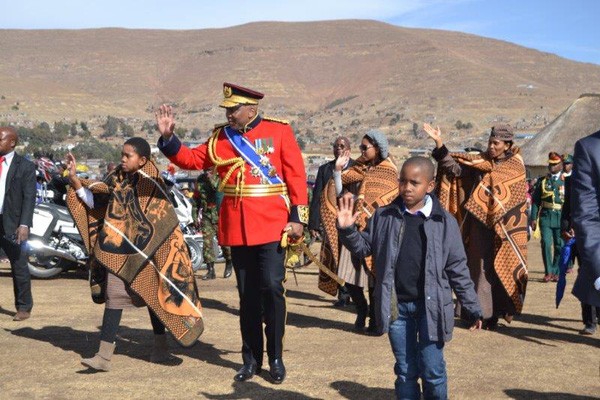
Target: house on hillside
[[580, 119]]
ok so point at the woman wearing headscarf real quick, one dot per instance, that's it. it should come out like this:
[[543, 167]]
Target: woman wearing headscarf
[[374, 182], [486, 192]]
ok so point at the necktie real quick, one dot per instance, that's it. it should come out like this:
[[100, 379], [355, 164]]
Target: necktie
[[1, 163]]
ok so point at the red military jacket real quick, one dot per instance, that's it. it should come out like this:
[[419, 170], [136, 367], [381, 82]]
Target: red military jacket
[[250, 221]]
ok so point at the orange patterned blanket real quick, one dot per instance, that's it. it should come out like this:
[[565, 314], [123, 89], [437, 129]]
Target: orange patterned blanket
[[498, 200], [135, 235], [378, 187]]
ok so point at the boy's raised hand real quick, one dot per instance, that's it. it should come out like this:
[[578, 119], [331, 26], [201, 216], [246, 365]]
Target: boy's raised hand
[[345, 215]]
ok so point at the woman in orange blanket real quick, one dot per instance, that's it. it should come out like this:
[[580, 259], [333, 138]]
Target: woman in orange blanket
[[486, 192], [374, 182]]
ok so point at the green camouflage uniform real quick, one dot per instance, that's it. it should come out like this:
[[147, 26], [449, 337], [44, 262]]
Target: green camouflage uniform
[[207, 202]]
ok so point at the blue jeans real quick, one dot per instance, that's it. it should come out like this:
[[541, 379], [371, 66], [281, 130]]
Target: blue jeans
[[417, 356]]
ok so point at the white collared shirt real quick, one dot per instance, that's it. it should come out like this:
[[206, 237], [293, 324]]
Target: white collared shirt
[[425, 210], [5, 166]]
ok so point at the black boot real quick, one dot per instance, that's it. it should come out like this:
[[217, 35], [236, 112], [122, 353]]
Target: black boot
[[228, 269], [362, 308], [343, 297], [210, 274], [361, 317]]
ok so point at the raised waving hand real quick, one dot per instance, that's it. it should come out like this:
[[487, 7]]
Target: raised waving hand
[[434, 134]]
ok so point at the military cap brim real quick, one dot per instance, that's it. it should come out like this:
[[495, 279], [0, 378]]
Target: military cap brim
[[234, 95]]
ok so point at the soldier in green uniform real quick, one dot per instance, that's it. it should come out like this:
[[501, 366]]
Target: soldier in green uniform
[[208, 201], [547, 204], [567, 164]]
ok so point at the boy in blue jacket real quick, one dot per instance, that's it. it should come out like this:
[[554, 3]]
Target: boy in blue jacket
[[419, 259]]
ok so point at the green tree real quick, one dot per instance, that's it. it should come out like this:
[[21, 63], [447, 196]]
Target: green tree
[[95, 149], [61, 131], [126, 129], [111, 127]]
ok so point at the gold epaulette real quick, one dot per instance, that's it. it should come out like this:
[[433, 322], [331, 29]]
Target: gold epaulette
[[281, 121]]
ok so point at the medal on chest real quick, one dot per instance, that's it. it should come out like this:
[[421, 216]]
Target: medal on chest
[[264, 146]]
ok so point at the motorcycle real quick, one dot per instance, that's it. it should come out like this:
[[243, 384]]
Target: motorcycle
[[54, 244]]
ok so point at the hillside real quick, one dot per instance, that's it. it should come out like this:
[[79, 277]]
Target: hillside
[[327, 77]]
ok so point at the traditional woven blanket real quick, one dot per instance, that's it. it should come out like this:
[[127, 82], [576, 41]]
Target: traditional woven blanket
[[135, 235], [377, 186], [498, 200]]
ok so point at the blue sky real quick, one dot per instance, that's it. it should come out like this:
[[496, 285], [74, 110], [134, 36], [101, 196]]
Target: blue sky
[[569, 28]]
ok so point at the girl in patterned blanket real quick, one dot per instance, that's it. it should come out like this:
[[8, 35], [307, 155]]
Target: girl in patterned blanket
[[136, 152]]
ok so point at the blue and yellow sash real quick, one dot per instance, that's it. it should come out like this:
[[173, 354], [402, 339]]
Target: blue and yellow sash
[[257, 162]]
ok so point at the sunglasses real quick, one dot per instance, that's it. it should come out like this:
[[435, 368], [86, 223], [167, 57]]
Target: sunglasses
[[339, 146], [363, 147]]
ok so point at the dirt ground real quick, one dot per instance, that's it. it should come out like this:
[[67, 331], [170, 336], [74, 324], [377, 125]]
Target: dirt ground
[[538, 356]]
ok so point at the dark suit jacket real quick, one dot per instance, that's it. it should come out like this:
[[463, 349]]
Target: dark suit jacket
[[324, 174], [19, 195], [585, 215]]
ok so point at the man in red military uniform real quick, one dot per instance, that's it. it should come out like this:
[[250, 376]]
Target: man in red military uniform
[[264, 182]]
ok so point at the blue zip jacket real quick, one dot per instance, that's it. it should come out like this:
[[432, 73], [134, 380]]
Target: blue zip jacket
[[445, 266]]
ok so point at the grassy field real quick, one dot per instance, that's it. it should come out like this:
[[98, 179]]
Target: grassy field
[[538, 356]]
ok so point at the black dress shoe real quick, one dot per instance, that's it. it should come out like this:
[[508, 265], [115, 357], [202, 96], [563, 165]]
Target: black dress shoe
[[277, 370], [246, 372], [228, 269]]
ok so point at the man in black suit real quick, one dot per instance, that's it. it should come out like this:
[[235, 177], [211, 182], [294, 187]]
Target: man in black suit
[[324, 174], [17, 201], [585, 214], [590, 315]]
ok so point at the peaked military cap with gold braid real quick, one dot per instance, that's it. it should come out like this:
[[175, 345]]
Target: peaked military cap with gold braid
[[554, 158], [234, 95]]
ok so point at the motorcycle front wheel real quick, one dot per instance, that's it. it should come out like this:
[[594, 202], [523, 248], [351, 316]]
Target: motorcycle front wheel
[[195, 248], [47, 267]]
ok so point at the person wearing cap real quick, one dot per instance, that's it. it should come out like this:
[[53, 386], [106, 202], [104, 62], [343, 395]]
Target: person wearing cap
[[486, 192], [207, 198], [263, 180], [373, 180], [546, 206], [567, 165]]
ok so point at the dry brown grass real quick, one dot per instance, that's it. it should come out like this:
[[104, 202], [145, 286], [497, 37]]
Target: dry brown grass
[[538, 356]]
